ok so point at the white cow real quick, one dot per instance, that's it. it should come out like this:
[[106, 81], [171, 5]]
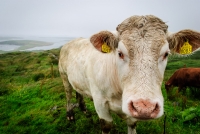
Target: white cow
[[123, 71]]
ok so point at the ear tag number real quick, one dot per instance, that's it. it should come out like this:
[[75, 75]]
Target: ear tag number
[[105, 48], [186, 48]]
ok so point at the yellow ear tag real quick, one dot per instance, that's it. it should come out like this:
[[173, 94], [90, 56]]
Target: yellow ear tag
[[105, 48], [186, 48]]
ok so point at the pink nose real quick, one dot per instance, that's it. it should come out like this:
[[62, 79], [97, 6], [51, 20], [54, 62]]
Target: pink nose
[[144, 109]]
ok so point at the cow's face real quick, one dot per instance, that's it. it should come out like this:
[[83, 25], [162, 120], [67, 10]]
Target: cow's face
[[168, 86], [141, 73], [142, 57], [141, 47]]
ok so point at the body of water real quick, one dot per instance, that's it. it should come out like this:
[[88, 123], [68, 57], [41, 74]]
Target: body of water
[[6, 47], [56, 43]]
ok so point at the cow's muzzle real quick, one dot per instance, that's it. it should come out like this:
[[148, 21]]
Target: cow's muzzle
[[144, 109]]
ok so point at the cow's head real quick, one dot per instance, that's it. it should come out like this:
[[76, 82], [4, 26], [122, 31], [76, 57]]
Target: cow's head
[[141, 47], [168, 86]]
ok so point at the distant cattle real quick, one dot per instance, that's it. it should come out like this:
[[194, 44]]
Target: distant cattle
[[183, 78], [122, 71]]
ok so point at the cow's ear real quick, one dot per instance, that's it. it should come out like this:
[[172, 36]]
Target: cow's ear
[[184, 42], [105, 41]]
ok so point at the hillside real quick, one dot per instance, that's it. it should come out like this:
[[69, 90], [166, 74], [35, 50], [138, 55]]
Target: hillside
[[24, 44], [32, 100]]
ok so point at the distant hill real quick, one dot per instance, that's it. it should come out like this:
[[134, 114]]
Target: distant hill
[[24, 44]]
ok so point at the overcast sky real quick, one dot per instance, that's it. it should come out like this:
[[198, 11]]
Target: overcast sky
[[82, 18]]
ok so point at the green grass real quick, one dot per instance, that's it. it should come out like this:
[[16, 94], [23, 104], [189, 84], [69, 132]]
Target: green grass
[[32, 100]]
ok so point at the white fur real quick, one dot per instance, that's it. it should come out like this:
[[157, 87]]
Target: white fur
[[145, 78], [162, 63]]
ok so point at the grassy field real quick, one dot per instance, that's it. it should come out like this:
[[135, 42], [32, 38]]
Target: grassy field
[[32, 100]]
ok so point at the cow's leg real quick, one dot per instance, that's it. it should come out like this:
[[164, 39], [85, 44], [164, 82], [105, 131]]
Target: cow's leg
[[68, 91], [102, 109], [132, 129], [131, 126], [184, 90], [105, 126], [81, 102], [179, 88]]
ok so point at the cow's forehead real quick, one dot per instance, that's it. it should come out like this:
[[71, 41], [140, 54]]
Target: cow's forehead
[[142, 23], [150, 46], [143, 33]]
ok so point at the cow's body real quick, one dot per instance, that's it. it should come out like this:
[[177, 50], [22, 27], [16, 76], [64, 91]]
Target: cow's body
[[122, 71], [88, 69], [183, 78]]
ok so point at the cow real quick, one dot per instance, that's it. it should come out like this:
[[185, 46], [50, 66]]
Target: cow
[[122, 71], [183, 78]]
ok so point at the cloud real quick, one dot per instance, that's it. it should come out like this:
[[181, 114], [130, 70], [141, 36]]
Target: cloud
[[86, 17]]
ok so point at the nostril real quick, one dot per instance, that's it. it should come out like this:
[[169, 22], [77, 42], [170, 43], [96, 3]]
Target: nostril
[[156, 109], [132, 106], [133, 109]]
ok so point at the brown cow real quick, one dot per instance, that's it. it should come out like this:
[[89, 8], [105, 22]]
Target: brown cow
[[184, 77]]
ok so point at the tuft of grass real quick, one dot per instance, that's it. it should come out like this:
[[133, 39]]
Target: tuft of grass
[[4, 89], [38, 76]]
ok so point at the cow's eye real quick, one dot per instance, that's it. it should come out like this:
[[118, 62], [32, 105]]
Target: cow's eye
[[165, 55], [121, 55]]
